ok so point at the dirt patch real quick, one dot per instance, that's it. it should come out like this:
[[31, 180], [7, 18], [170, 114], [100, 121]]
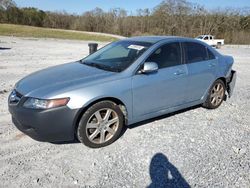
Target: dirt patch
[[3, 67], [3, 91], [19, 136]]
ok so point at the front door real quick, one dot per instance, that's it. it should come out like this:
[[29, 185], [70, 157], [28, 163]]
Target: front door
[[163, 89]]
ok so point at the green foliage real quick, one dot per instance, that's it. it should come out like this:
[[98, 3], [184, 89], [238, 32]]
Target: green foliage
[[38, 32]]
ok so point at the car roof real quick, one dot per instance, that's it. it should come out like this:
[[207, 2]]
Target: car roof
[[156, 39], [153, 39]]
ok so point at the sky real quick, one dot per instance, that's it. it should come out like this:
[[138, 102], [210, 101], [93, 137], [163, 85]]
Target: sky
[[80, 6]]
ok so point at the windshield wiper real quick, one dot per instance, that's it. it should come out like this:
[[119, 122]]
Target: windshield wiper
[[99, 66]]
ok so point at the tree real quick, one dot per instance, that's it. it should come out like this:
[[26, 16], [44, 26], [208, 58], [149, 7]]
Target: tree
[[170, 17], [4, 4]]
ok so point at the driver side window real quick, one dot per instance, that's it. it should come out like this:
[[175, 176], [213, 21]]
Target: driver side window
[[167, 55]]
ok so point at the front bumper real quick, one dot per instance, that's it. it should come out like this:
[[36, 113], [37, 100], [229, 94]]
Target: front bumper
[[231, 80], [52, 125]]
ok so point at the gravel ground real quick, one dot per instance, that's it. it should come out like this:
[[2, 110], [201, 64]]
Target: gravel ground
[[195, 147]]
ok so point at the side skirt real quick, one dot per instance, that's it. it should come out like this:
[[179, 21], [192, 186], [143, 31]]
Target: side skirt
[[164, 112]]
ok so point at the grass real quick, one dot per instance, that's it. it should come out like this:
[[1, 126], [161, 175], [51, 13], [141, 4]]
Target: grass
[[39, 32]]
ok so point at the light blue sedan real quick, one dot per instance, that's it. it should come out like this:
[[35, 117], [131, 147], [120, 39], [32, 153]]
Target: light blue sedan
[[125, 82]]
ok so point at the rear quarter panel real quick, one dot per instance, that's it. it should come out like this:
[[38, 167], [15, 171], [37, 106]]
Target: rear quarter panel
[[225, 64]]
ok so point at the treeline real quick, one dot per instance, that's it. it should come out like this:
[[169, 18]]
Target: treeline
[[171, 17]]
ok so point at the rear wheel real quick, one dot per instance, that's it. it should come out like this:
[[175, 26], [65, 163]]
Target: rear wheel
[[100, 125], [216, 95]]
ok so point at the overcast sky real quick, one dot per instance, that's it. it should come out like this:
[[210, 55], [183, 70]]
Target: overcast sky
[[80, 6]]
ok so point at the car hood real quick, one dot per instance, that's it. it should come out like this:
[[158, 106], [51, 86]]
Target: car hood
[[58, 78]]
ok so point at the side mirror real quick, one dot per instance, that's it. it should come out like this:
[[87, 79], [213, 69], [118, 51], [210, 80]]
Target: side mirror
[[149, 67]]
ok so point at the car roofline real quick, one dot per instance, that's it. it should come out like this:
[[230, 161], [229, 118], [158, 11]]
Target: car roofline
[[153, 39]]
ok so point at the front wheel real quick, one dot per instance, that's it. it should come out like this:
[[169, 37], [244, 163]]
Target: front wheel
[[100, 125], [216, 95]]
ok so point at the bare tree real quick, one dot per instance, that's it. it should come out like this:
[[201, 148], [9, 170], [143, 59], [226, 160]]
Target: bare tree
[[170, 17], [4, 4]]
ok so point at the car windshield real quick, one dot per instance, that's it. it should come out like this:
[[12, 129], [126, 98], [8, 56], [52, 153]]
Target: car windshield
[[200, 37], [117, 56]]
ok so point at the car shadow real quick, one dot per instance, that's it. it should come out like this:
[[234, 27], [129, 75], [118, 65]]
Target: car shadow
[[164, 174], [135, 125], [2, 48], [66, 142]]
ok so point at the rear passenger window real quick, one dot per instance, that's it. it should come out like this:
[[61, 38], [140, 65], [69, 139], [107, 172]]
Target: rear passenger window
[[195, 52], [167, 55], [210, 54]]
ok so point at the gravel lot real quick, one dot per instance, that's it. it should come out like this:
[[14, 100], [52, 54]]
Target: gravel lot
[[196, 147]]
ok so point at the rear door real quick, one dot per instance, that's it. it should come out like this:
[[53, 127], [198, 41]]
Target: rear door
[[201, 65], [163, 89]]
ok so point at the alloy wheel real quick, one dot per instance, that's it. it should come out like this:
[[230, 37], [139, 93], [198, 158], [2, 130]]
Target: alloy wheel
[[102, 125], [217, 94]]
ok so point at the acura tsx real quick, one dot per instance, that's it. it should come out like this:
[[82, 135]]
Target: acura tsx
[[125, 82]]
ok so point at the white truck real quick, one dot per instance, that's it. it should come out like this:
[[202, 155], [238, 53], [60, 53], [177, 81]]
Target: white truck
[[210, 40]]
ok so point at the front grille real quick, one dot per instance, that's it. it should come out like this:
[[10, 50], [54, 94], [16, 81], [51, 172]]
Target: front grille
[[18, 94], [15, 97]]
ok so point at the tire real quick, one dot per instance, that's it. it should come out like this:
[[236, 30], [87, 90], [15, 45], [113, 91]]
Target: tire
[[216, 95], [100, 125]]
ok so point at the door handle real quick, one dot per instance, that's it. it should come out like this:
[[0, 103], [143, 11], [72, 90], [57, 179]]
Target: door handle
[[179, 72], [212, 65]]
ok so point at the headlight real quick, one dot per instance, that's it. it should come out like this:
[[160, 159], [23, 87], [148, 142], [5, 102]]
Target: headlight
[[44, 103]]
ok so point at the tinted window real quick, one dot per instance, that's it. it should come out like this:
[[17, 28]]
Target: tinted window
[[167, 55], [210, 54], [195, 52]]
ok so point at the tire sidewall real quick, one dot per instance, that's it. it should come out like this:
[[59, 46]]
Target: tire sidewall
[[81, 130]]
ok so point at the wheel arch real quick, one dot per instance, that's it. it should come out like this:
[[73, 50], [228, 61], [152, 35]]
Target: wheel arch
[[82, 110], [208, 89], [223, 79]]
